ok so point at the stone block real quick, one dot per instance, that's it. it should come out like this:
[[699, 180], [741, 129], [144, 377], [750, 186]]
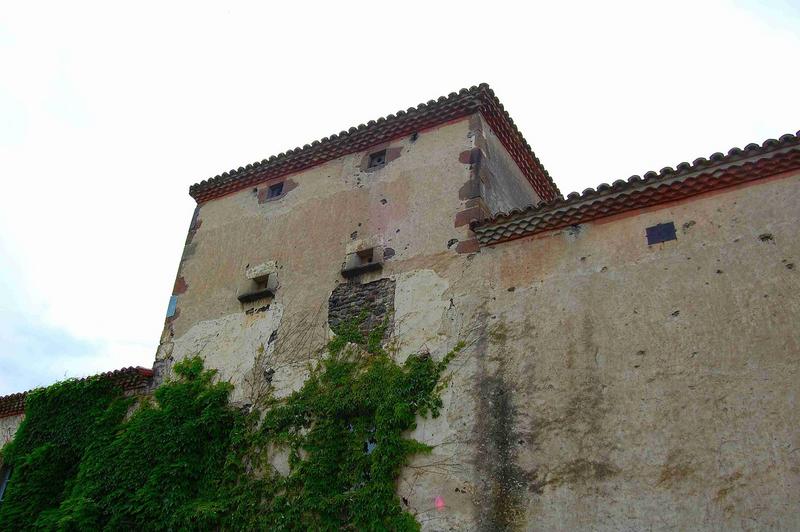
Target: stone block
[[260, 272]]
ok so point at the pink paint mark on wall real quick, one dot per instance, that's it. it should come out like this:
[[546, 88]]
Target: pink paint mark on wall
[[439, 503]]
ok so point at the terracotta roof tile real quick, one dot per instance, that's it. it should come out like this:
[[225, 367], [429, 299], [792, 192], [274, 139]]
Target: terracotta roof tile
[[425, 115], [686, 179], [130, 379], [12, 405]]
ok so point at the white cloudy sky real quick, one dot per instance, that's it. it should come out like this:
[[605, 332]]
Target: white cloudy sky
[[110, 110]]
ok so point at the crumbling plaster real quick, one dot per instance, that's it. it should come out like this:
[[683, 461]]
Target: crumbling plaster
[[606, 384], [408, 205], [8, 427]]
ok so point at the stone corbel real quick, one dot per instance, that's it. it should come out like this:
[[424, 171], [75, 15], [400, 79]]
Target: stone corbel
[[261, 282]]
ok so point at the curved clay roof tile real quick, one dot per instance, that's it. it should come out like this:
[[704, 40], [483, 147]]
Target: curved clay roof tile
[[375, 132], [687, 179]]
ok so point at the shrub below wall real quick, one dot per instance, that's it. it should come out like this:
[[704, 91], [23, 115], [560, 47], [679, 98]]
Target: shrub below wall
[[186, 459]]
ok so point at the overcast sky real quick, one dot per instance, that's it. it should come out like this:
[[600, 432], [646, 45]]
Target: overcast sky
[[109, 111]]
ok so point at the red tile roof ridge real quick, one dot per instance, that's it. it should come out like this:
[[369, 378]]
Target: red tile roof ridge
[[479, 98], [715, 163]]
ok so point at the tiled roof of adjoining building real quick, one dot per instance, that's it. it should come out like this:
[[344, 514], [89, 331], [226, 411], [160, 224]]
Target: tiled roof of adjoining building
[[364, 136], [687, 179], [129, 379]]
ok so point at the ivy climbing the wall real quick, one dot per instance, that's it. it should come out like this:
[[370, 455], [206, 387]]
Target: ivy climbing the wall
[[187, 459], [60, 423]]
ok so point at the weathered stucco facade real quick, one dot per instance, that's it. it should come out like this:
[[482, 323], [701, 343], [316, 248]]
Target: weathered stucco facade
[[8, 427], [646, 387], [607, 383]]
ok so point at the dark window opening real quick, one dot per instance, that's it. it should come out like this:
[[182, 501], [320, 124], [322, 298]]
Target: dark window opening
[[275, 190], [366, 255], [260, 288], [660, 233], [377, 159], [5, 475], [366, 260], [261, 281]]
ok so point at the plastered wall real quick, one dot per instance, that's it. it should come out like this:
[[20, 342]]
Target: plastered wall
[[407, 209], [613, 385], [607, 384], [8, 427]]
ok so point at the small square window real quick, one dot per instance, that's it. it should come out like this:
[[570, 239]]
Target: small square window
[[365, 255], [660, 233], [365, 260], [377, 159], [275, 190]]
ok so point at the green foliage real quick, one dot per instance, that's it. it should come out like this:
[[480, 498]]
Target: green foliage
[[160, 468], [60, 422], [188, 460]]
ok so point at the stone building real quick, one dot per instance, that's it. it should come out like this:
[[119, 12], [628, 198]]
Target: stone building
[[633, 350]]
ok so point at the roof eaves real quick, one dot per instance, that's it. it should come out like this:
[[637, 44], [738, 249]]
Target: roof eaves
[[423, 116], [717, 171], [130, 378]]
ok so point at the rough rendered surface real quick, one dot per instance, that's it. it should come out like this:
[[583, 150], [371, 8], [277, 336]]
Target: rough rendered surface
[[607, 384], [8, 427]]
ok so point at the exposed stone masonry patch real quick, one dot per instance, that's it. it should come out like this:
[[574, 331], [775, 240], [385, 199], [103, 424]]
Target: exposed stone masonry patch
[[189, 246], [180, 286], [349, 300]]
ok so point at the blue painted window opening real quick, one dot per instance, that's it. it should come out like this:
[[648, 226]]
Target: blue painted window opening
[[173, 303], [660, 233]]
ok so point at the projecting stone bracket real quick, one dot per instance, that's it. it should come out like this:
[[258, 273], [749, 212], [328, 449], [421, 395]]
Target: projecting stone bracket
[[255, 296], [348, 272], [362, 256], [261, 282]]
